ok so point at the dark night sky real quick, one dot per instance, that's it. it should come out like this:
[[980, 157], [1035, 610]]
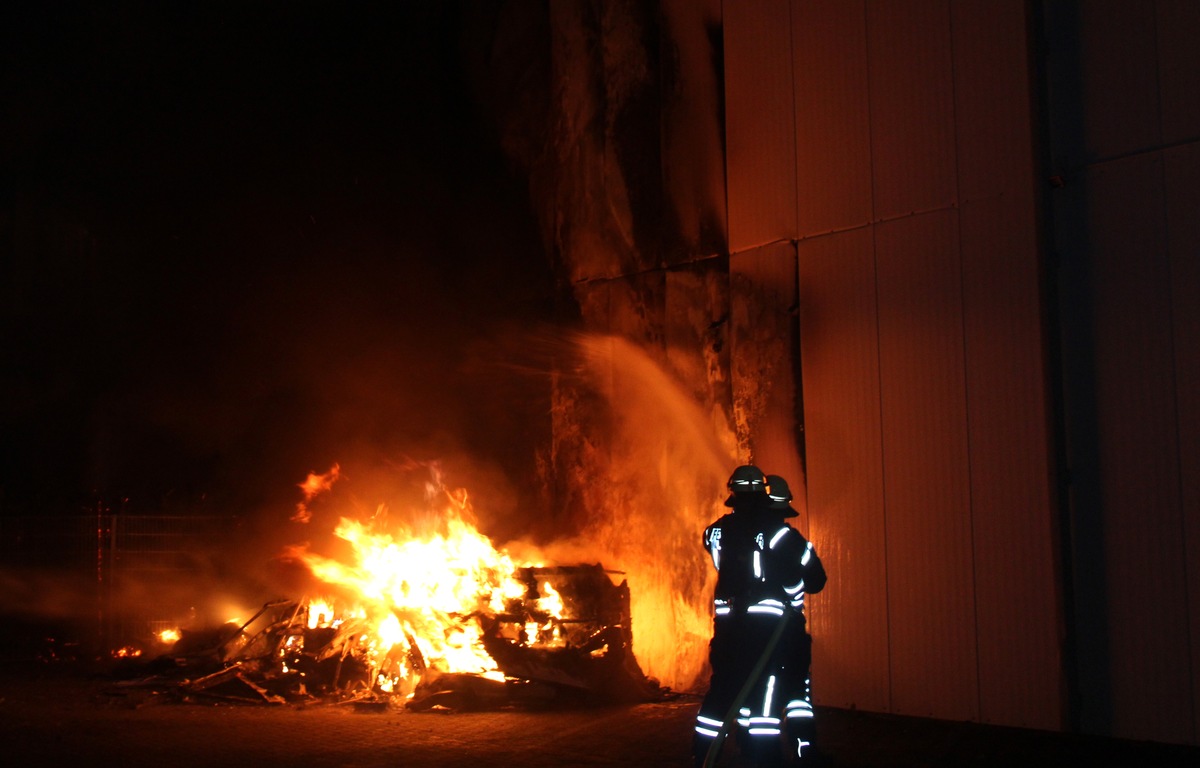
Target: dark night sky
[[246, 240]]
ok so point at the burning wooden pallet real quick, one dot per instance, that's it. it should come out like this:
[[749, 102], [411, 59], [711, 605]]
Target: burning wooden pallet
[[289, 653]]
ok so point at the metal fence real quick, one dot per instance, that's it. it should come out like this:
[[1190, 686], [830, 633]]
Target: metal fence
[[106, 577]]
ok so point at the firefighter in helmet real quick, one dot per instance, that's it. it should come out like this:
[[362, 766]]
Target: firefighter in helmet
[[764, 569], [796, 641]]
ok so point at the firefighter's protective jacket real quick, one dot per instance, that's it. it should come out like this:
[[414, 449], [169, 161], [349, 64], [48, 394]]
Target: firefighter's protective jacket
[[764, 565], [764, 569]]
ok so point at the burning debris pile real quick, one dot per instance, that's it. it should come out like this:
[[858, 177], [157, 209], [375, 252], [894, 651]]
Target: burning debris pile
[[434, 620], [303, 652]]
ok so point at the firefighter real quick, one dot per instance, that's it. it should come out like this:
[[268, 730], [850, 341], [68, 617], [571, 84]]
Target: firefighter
[[796, 642], [764, 568]]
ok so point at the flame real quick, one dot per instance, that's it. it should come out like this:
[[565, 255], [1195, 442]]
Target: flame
[[669, 458], [320, 614], [417, 595], [547, 631], [169, 635], [314, 485], [552, 603]]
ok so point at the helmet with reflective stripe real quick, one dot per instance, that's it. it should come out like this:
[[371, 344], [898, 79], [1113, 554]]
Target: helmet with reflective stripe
[[747, 479], [779, 496]]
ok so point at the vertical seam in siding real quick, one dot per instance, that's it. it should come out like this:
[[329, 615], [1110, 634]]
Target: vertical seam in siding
[[795, 233], [887, 603], [1180, 471], [870, 122], [1053, 356], [724, 120], [1158, 83], [1179, 437], [794, 238], [962, 320]]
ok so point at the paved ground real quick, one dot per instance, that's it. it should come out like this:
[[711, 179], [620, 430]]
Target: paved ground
[[59, 718]]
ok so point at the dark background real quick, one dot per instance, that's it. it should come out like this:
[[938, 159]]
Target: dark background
[[244, 241]]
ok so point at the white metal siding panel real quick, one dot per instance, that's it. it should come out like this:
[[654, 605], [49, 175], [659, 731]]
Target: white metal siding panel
[[1012, 512], [912, 106], [1178, 29], [931, 601], [1138, 451], [760, 133], [833, 132], [1118, 79], [840, 361], [763, 297], [1183, 244], [1016, 583], [992, 100]]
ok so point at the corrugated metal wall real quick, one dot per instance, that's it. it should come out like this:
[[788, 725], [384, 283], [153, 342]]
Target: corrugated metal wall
[[1124, 143], [760, 146], [1182, 177], [1007, 386], [924, 383]]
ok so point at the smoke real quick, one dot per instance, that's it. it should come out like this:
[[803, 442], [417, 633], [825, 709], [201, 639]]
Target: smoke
[[100, 604], [650, 464], [43, 593], [638, 465], [635, 465], [298, 245]]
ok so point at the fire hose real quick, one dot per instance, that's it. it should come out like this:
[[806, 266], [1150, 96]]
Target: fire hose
[[714, 749]]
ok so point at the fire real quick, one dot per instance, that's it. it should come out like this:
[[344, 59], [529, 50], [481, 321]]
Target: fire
[[168, 636], [547, 632], [320, 614], [423, 612], [314, 485], [416, 597]]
